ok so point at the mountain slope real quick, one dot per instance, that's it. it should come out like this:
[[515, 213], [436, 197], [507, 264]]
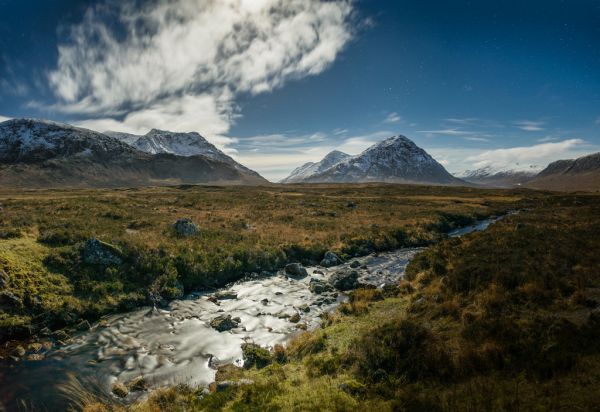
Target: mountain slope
[[504, 178], [310, 169], [35, 153], [181, 144], [396, 159], [570, 175]]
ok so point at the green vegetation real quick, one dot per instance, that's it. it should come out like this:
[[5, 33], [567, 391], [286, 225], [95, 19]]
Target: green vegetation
[[503, 320], [48, 283]]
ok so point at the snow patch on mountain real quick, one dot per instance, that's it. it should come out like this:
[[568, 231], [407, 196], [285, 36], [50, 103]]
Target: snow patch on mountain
[[309, 169]]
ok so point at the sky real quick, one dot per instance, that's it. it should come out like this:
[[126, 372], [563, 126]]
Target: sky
[[277, 83]]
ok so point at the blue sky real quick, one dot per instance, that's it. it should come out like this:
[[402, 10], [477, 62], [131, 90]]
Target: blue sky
[[276, 84]]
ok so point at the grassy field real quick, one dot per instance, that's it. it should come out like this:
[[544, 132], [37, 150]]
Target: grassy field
[[503, 320], [48, 286]]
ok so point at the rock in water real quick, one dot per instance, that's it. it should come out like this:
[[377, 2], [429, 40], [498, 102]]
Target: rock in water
[[355, 264], [185, 227], [296, 270], [223, 323], [97, 252], [330, 259], [318, 286], [345, 280]]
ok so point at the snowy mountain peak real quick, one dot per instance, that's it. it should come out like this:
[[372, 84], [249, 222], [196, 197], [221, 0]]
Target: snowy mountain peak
[[395, 159], [177, 143], [309, 169], [32, 140]]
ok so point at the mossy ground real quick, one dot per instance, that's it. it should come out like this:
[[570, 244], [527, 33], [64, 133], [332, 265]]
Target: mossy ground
[[503, 320]]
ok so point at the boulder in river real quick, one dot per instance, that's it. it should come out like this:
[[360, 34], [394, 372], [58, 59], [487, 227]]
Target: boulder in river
[[97, 252], [331, 259], [186, 227], [296, 270], [223, 323], [355, 264], [120, 390], [345, 280], [318, 286], [226, 295]]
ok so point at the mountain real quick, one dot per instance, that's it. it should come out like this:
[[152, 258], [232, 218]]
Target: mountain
[[180, 144], [396, 159], [310, 169], [570, 175], [38, 153], [501, 178]]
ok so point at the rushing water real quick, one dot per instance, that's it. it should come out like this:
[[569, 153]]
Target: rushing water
[[178, 345]]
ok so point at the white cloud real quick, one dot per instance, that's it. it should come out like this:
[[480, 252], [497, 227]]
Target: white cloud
[[179, 64], [522, 158], [4, 118], [530, 125], [393, 118]]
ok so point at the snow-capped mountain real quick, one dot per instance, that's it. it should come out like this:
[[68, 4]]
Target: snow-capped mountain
[[499, 177], [40, 153], [310, 169], [180, 144], [396, 159], [30, 141]]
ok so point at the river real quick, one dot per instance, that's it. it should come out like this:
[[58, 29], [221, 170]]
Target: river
[[178, 345]]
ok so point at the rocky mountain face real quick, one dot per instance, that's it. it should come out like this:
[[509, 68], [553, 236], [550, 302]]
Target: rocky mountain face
[[397, 159], [500, 178], [36, 153], [570, 175], [180, 144], [310, 169]]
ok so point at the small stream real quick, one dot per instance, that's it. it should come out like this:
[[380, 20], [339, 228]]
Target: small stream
[[178, 345]]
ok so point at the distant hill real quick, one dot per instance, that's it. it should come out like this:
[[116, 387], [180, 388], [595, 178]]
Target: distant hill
[[395, 160], [39, 153], [180, 144], [570, 175], [500, 178]]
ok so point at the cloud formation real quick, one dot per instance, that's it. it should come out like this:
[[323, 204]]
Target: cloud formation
[[530, 125], [179, 64], [393, 118]]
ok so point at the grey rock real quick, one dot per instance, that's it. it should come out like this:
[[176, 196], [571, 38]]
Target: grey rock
[[185, 227], [223, 323], [355, 264], [97, 252], [226, 295], [318, 286], [296, 270], [330, 259], [345, 280], [295, 318]]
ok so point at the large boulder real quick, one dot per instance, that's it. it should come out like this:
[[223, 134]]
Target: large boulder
[[186, 227], [97, 252], [224, 323], [318, 286], [344, 280], [331, 259], [296, 270]]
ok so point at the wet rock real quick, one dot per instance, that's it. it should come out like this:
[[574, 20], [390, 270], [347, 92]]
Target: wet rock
[[35, 347], [186, 227], [97, 252], [213, 299], [296, 270], [83, 326], [278, 293], [330, 259], [318, 286], [265, 301], [318, 272], [9, 298], [304, 308], [224, 385], [119, 390], [254, 355], [345, 280], [295, 318], [355, 264], [226, 295], [60, 335], [237, 319], [223, 323], [18, 352], [35, 357], [138, 384]]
